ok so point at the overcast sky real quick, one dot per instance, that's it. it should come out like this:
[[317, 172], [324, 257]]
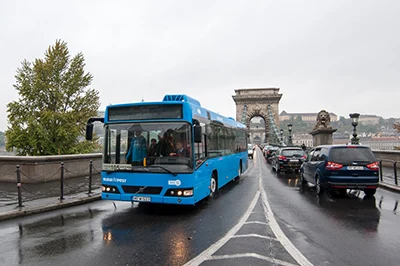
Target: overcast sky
[[339, 55]]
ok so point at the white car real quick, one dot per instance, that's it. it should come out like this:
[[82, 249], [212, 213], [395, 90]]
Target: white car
[[250, 150]]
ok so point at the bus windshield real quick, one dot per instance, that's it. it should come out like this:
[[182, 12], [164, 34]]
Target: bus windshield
[[148, 147]]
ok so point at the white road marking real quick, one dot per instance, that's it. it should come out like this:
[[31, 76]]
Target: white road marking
[[253, 255], [287, 244], [256, 222], [207, 254], [255, 235], [269, 215]]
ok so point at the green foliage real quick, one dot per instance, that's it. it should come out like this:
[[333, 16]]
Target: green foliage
[[54, 104]]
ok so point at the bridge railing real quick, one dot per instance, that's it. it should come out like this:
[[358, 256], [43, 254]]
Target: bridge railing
[[25, 179]]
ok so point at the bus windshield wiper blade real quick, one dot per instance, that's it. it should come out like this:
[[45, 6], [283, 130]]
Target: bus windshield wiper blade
[[162, 167]]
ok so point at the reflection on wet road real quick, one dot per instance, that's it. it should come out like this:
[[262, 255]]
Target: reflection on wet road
[[332, 229]]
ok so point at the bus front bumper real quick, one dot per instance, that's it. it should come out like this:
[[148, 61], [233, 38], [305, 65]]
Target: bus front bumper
[[148, 198]]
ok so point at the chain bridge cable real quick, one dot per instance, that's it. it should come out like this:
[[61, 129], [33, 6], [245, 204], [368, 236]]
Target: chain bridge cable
[[76, 173], [274, 129], [45, 180], [94, 168], [38, 196]]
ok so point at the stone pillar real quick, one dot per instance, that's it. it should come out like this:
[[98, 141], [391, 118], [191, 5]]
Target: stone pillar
[[322, 136]]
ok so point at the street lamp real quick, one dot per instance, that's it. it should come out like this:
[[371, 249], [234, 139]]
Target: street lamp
[[289, 126], [354, 122]]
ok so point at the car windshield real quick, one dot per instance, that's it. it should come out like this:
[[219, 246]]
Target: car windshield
[[347, 155], [293, 152], [142, 146]]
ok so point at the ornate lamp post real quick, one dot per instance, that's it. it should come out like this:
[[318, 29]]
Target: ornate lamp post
[[281, 134], [289, 126], [354, 122]]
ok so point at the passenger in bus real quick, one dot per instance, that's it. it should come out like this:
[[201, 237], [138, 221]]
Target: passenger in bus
[[152, 148], [164, 147], [180, 150], [137, 150]]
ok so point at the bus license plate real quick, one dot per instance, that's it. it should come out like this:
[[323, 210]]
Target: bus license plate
[[141, 199], [355, 167]]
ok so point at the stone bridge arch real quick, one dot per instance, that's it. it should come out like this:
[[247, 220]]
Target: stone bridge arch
[[251, 103]]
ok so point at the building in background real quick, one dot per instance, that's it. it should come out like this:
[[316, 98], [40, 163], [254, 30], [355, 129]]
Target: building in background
[[369, 120], [306, 117], [299, 139]]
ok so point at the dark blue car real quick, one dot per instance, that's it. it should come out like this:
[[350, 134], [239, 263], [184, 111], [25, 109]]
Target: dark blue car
[[341, 167]]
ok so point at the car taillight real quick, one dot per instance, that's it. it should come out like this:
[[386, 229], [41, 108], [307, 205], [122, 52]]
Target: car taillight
[[373, 166], [304, 157], [280, 157], [333, 166], [269, 152]]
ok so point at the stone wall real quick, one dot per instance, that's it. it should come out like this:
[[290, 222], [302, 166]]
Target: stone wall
[[386, 156], [36, 169]]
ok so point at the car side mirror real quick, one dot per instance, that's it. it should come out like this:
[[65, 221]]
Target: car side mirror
[[197, 134], [89, 131]]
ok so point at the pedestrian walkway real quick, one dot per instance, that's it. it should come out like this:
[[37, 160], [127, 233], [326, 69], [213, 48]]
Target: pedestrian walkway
[[11, 211], [388, 178]]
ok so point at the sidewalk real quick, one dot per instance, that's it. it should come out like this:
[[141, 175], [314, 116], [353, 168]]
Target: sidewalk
[[47, 204]]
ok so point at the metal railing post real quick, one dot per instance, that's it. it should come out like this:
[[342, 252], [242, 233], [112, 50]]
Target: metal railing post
[[380, 170], [19, 185], [62, 182], [395, 172], [90, 176]]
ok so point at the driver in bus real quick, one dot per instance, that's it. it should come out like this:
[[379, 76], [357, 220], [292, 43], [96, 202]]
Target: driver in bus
[[180, 150], [138, 149]]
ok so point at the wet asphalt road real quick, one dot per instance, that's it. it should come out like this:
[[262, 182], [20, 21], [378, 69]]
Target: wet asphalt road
[[330, 230]]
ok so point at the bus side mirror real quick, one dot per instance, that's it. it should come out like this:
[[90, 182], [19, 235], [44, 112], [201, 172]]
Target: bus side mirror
[[89, 131], [197, 134]]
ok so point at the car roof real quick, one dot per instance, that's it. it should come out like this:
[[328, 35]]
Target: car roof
[[340, 146]]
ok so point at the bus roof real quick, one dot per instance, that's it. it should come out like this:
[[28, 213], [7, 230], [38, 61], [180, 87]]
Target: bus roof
[[190, 103]]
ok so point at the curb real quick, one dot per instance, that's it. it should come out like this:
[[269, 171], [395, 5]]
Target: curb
[[25, 211], [392, 188]]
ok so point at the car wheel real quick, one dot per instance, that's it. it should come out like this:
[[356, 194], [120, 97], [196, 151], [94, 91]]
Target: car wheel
[[213, 186], [303, 181], [318, 187], [342, 192], [277, 168], [370, 191]]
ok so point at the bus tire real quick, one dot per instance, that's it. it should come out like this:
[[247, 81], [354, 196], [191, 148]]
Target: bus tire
[[213, 185], [240, 171]]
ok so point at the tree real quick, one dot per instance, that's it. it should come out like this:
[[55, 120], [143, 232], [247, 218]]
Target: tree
[[54, 105]]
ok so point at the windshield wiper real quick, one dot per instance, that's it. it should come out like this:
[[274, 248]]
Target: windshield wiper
[[162, 167]]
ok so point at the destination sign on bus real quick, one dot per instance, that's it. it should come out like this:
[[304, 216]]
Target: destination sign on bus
[[142, 112]]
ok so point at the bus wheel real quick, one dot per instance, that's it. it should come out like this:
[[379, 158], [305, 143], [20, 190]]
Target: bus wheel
[[213, 186], [240, 171]]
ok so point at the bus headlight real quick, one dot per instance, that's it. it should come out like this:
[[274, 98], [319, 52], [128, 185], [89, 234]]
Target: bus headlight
[[188, 193], [109, 189], [179, 192]]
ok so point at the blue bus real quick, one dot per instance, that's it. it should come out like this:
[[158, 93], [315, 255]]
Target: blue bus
[[172, 152]]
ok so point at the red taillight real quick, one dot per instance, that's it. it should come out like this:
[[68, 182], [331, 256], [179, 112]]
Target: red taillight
[[304, 157], [269, 152], [373, 166], [280, 157], [333, 166]]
